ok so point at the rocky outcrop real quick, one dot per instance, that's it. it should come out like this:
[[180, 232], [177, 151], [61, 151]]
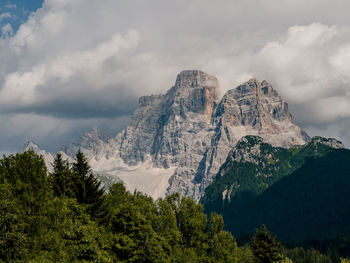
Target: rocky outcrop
[[186, 134], [331, 142]]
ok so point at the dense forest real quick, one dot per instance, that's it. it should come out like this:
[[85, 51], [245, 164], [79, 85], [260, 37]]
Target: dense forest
[[66, 216], [311, 203], [301, 194]]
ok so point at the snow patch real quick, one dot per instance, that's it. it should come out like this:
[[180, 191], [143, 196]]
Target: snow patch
[[144, 177]]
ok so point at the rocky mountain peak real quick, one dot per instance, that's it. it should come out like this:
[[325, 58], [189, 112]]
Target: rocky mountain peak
[[195, 78], [30, 145], [253, 104], [252, 87], [184, 136], [91, 136], [267, 89], [194, 91], [90, 143], [256, 89]]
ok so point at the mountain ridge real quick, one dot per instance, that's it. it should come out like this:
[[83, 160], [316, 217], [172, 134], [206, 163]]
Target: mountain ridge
[[254, 165], [185, 135], [311, 203]]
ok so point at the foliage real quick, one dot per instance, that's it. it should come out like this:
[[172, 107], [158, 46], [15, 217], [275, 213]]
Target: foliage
[[13, 239], [299, 193], [243, 181], [53, 219], [301, 255], [245, 255], [61, 178], [265, 248], [88, 189]]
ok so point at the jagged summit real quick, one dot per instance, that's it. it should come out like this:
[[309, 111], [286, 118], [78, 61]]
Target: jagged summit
[[176, 142], [195, 91], [30, 145], [93, 143], [195, 78]]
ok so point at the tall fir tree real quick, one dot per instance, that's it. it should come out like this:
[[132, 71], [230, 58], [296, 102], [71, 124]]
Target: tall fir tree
[[61, 177], [88, 189], [266, 249]]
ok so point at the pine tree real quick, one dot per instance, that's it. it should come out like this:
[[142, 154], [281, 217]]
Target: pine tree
[[88, 189], [61, 177], [222, 246], [265, 248]]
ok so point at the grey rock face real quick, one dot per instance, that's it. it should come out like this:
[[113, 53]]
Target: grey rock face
[[190, 131], [252, 108], [94, 144], [163, 127]]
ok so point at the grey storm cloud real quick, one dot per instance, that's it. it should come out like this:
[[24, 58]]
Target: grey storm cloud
[[83, 63]]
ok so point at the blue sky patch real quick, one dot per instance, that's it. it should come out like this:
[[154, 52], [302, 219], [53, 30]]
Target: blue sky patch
[[13, 13]]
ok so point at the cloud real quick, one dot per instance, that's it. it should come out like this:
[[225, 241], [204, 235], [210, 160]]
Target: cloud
[[82, 63], [5, 16], [49, 132], [50, 83], [11, 6], [309, 65], [6, 30]]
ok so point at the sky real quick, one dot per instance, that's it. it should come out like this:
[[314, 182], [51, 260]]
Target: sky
[[70, 65]]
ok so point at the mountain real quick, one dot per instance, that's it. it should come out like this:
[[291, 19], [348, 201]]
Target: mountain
[[177, 142], [298, 193], [311, 203], [48, 158], [254, 165], [105, 179]]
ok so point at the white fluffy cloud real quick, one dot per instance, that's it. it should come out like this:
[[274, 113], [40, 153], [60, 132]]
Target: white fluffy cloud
[[23, 89], [76, 64], [309, 64]]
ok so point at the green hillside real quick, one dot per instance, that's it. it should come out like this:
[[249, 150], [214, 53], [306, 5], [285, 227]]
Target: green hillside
[[300, 194], [253, 166], [311, 203]]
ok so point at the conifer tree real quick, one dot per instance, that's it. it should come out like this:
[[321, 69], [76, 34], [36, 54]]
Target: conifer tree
[[88, 189], [61, 177], [266, 249], [222, 246]]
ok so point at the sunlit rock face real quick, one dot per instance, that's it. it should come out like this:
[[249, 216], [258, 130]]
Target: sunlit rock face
[[177, 142]]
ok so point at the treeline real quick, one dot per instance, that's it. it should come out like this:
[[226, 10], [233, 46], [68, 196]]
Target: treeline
[[67, 217]]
